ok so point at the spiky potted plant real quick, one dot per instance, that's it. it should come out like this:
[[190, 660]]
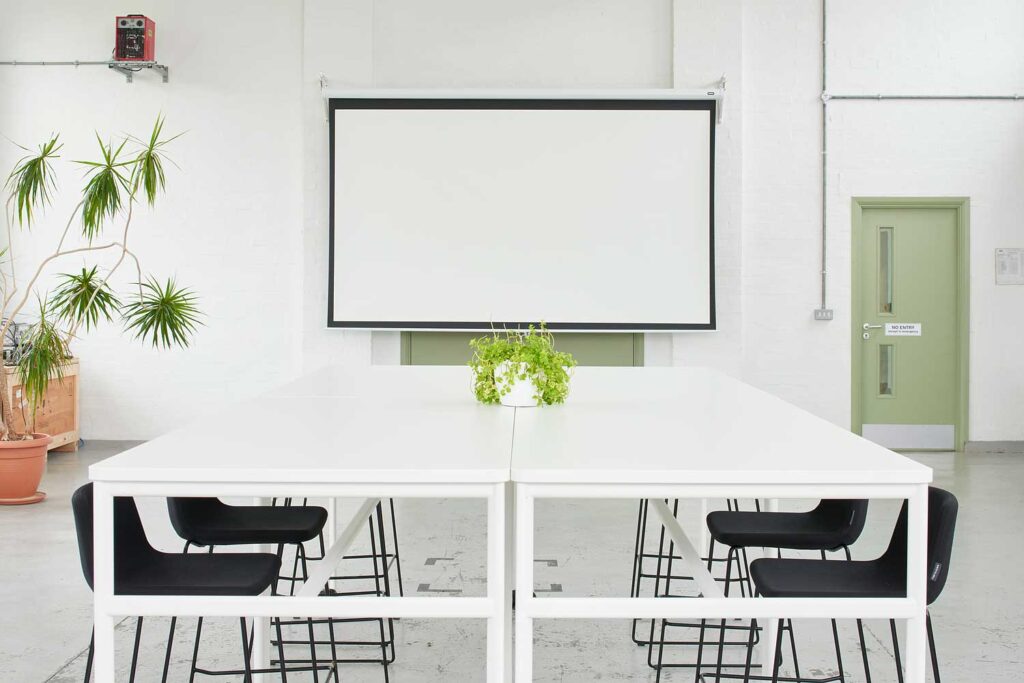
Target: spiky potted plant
[[157, 312]]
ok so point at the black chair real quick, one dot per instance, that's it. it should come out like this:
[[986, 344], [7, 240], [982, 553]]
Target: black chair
[[832, 526], [885, 577], [664, 558], [209, 522], [139, 569]]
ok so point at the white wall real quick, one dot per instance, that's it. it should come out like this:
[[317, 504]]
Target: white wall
[[456, 44], [229, 225], [261, 94], [878, 149]]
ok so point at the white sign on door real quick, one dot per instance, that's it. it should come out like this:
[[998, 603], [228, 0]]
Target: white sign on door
[[903, 329]]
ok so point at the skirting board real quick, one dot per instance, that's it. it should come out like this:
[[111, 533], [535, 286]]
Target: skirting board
[[994, 447]]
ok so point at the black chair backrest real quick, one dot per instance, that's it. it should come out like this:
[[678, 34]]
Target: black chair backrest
[[847, 516], [130, 543], [942, 512], [188, 515]]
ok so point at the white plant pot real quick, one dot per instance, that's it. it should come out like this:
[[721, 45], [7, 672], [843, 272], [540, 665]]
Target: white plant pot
[[522, 393]]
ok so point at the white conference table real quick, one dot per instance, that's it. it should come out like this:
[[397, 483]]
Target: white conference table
[[654, 433]]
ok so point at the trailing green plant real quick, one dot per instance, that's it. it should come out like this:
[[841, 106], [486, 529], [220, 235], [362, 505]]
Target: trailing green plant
[[127, 171], [499, 360]]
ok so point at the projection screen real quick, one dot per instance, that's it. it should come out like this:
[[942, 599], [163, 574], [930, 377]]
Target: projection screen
[[459, 213]]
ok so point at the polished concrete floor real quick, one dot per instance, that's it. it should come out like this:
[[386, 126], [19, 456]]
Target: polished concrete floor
[[585, 549]]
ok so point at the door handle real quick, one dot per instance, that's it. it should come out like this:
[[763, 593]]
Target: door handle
[[868, 326]]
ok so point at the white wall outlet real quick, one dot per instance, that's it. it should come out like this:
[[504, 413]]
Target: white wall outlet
[[823, 314]]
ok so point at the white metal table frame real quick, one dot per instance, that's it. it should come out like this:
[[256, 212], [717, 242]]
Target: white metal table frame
[[529, 608], [495, 607], [549, 458]]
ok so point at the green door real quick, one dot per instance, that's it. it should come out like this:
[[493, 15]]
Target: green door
[[906, 331]]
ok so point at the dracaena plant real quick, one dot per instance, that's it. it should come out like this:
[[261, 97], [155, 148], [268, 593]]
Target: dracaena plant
[[158, 312]]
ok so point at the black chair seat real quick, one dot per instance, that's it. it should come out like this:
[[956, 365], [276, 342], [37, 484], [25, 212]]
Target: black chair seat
[[208, 521], [791, 578], [199, 574], [830, 526], [795, 530]]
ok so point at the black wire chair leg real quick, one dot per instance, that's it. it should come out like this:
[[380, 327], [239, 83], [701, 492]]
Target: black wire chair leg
[[195, 650], [671, 550], [387, 581], [839, 654], [88, 658], [277, 625], [931, 647], [246, 653], [703, 622], [657, 589], [661, 652], [792, 647], [777, 660], [864, 651], [750, 651], [394, 543], [638, 548], [300, 551], [896, 650], [170, 643], [135, 650], [700, 652], [377, 585], [721, 637]]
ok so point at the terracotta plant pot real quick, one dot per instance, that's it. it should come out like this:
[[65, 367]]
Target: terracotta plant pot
[[21, 469]]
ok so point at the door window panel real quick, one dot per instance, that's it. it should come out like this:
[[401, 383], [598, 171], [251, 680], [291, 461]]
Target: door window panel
[[886, 369], [885, 274]]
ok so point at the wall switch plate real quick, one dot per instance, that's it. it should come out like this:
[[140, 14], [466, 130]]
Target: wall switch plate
[[823, 314]]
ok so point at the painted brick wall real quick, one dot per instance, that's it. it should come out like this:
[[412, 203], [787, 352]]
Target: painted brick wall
[[229, 224], [224, 225]]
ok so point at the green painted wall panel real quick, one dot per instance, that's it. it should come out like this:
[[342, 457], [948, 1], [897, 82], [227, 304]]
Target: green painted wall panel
[[452, 348]]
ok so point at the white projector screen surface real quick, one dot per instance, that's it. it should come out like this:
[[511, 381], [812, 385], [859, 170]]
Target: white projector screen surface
[[462, 214]]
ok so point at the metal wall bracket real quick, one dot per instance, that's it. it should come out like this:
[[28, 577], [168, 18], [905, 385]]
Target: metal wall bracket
[[129, 69]]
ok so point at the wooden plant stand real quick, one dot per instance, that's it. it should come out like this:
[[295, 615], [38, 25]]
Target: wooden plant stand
[[58, 414]]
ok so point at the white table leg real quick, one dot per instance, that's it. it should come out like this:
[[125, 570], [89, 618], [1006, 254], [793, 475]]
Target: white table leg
[[524, 584], [917, 561], [103, 583], [497, 586], [770, 633], [331, 529], [261, 625], [510, 573], [705, 535], [769, 636]]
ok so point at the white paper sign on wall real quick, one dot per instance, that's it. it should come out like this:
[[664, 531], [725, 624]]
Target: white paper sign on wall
[[903, 329], [1010, 266]]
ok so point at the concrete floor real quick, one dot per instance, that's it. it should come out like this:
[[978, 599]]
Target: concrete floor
[[586, 549]]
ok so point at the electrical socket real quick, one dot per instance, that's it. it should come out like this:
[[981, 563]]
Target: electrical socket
[[823, 314]]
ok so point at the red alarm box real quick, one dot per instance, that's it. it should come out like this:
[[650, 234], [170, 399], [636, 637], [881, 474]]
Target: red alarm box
[[136, 39]]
